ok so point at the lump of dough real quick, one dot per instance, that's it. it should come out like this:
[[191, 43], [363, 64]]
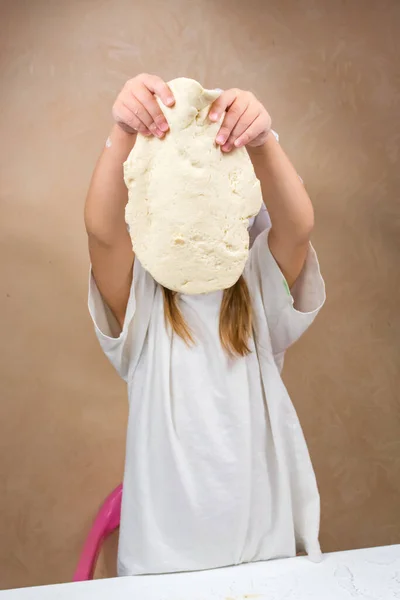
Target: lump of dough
[[189, 203]]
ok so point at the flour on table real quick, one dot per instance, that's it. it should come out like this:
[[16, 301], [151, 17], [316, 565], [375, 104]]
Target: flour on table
[[190, 203]]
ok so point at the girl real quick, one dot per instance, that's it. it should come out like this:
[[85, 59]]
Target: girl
[[217, 470]]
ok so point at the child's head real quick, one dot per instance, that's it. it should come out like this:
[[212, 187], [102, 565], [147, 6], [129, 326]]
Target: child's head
[[236, 316]]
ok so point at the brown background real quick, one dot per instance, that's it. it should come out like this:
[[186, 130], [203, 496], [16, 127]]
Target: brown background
[[326, 71]]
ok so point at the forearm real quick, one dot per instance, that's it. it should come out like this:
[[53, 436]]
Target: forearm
[[284, 195], [108, 195]]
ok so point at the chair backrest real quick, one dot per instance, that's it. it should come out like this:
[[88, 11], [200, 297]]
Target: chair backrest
[[107, 520]]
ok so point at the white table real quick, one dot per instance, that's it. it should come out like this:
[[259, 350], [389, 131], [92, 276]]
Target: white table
[[372, 574]]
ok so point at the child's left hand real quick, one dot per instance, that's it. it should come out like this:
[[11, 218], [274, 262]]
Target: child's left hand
[[246, 122]]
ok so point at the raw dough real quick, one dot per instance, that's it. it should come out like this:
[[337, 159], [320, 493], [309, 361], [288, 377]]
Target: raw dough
[[189, 203]]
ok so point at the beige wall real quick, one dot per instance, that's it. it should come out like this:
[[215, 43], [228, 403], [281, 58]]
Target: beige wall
[[326, 70]]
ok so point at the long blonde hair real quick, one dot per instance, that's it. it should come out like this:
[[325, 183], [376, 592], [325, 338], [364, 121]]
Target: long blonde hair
[[235, 319]]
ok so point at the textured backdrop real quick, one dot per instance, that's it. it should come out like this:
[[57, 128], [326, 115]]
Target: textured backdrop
[[328, 73]]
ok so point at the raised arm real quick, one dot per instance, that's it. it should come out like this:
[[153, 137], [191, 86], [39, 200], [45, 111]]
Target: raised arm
[[135, 111], [110, 246], [288, 204], [247, 123]]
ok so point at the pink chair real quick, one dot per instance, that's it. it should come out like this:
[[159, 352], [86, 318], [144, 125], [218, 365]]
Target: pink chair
[[107, 521]]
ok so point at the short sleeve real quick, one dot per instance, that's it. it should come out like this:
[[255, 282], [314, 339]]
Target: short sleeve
[[123, 348], [289, 313]]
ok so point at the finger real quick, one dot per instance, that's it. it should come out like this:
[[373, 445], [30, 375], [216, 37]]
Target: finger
[[234, 113], [248, 117], [140, 111], [257, 127], [221, 104], [137, 114], [160, 88], [128, 120], [157, 119]]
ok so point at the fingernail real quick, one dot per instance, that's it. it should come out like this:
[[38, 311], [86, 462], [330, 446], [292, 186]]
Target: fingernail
[[163, 126], [220, 139], [238, 143], [170, 100], [214, 116], [159, 133]]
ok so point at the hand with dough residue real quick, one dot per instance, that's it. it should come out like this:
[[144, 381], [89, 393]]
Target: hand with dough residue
[[136, 109], [246, 121]]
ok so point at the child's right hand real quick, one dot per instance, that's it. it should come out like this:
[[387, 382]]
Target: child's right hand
[[136, 109]]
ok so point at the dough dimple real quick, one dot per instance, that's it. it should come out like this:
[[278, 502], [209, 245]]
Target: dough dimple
[[189, 203]]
